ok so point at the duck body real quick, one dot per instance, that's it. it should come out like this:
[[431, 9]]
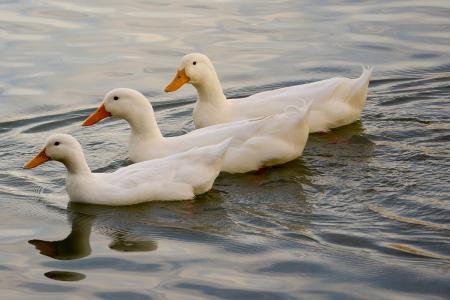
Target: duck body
[[334, 102], [177, 177], [256, 143]]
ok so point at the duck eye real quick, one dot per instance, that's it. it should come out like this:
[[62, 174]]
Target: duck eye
[[56, 143], [116, 98], [194, 63]]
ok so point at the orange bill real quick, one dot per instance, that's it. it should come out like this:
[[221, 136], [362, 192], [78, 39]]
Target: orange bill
[[180, 79], [37, 160], [98, 115]]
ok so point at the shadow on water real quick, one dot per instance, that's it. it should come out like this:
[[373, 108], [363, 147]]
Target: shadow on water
[[347, 141], [127, 227], [82, 218], [65, 275], [75, 246]]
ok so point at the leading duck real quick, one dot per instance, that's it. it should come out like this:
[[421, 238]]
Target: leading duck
[[335, 102]]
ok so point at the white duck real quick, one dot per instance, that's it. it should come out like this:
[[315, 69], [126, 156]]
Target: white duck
[[176, 177], [256, 143], [335, 102]]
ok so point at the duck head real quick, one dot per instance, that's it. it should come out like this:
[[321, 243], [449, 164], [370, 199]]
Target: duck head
[[129, 105], [63, 148], [195, 68], [121, 103]]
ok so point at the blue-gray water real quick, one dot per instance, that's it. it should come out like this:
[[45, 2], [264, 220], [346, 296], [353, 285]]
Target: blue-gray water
[[363, 214]]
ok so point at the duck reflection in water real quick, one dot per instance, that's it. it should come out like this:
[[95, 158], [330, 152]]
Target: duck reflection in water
[[77, 245]]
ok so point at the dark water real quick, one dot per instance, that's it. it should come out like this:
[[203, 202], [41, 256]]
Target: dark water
[[363, 214]]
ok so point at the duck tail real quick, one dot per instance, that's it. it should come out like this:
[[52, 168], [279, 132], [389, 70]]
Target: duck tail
[[366, 73], [211, 153], [219, 150], [223, 146], [361, 85]]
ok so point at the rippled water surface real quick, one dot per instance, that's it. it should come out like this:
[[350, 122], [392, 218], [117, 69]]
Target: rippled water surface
[[363, 214]]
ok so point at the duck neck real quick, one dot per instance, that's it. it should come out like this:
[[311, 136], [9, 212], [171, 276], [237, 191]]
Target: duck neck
[[81, 229], [210, 91], [77, 242], [143, 124], [77, 165]]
